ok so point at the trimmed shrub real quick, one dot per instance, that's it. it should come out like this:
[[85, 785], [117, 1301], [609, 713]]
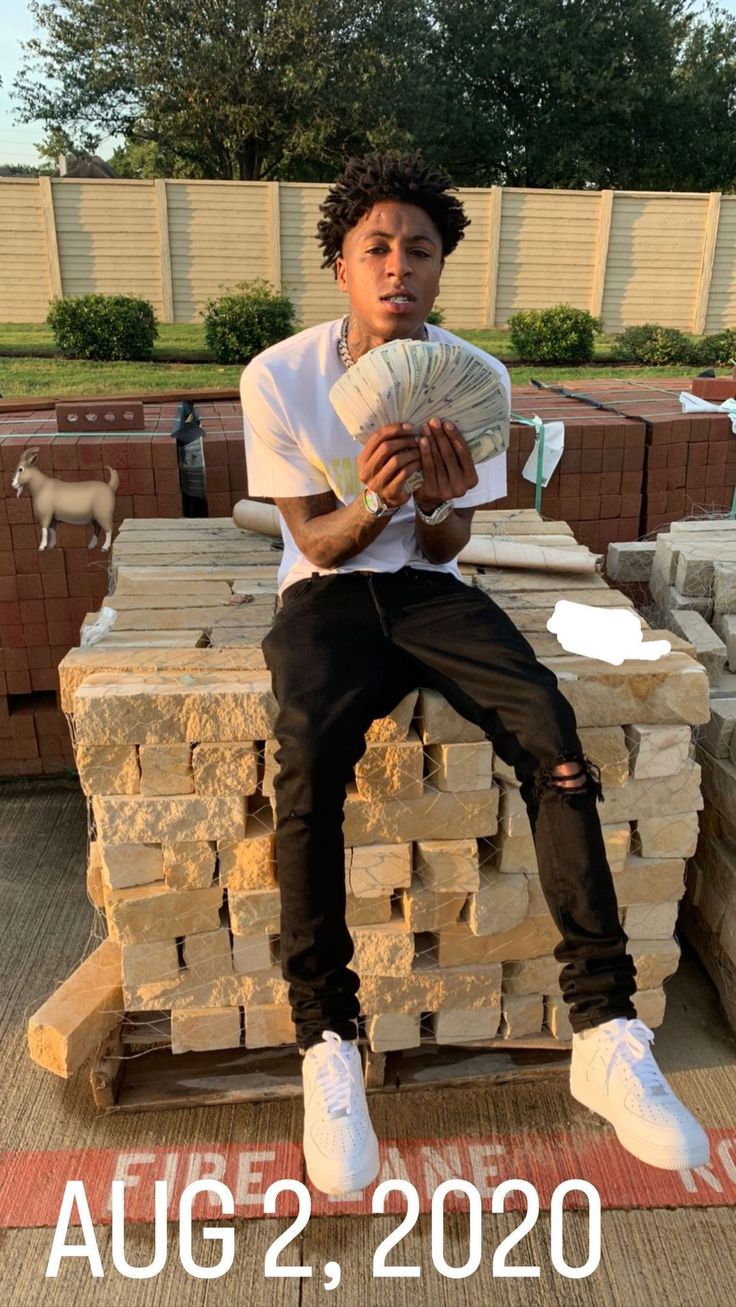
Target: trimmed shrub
[[436, 316], [654, 345], [715, 350], [103, 327], [246, 320], [561, 334]]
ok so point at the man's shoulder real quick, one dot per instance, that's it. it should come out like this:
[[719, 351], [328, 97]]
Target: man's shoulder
[[292, 353]]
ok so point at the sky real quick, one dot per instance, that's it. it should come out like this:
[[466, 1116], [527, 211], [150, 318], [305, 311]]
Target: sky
[[17, 141]]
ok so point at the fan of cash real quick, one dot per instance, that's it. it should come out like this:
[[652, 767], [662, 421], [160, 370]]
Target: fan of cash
[[415, 380]]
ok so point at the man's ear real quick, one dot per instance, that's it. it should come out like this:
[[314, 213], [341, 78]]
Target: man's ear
[[340, 272]]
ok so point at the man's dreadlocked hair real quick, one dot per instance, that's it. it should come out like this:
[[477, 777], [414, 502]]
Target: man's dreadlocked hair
[[388, 176]]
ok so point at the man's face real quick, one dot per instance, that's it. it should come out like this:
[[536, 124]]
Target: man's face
[[394, 249]]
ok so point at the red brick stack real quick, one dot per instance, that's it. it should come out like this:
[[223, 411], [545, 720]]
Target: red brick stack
[[690, 464], [597, 486], [45, 594]]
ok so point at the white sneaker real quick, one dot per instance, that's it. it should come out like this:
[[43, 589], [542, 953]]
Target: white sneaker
[[340, 1144], [614, 1073]]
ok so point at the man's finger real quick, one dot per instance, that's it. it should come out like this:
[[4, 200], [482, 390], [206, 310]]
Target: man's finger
[[391, 430]]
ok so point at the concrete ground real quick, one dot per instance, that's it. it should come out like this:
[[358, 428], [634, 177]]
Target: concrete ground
[[666, 1238]]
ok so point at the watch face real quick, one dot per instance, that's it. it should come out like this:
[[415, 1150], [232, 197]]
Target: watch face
[[372, 501]]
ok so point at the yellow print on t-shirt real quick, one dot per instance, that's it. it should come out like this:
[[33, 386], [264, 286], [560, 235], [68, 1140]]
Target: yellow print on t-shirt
[[342, 474]]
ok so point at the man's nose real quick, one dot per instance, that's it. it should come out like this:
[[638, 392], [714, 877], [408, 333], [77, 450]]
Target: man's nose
[[399, 263]]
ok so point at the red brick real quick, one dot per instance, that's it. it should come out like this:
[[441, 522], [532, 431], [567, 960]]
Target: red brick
[[630, 506], [35, 633], [90, 455], [25, 536], [39, 656], [18, 682], [215, 451], [20, 510], [144, 506], [60, 632], [8, 588], [6, 537], [10, 612], [610, 483], [64, 453], [163, 452], [139, 453], [166, 481], [35, 560], [140, 481]]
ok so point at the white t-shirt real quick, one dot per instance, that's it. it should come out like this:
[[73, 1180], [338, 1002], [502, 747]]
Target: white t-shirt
[[296, 445]]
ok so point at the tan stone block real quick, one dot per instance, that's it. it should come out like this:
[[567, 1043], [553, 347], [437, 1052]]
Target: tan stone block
[[673, 689], [521, 1015], [556, 1017], [107, 769], [372, 869], [447, 866], [95, 888], [189, 864], [268, 1025], [385, 950], [154, 912], [724, 588], [143, 964], [456, 767], [458, 1026], [229, 765], [650, 1006], [537, 905], [393, 770], [719, 783], [70, 1025], [716, 735], [667, 837], [80, 663], [252, 953], [249, 863], [200, 1029], [270, 768], [367, 912], [533, 976], [606, 747], [426, 909], [655, 960], [709, 650], [508, 854], [650, 920], [428, 987], [164, 708], [166, 769], [207, 956], [630, 560], [398, 723], [434, 816], [657, 797], [649, 880], [658, 750], [252, 911], [263, 986], [458, 946], [124, 866], [513, 818], [122, 820], [387, 1031], [440, 724], [499, 904]]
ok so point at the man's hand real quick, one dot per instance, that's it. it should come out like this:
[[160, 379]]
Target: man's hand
[[387, 459], [449, 470]]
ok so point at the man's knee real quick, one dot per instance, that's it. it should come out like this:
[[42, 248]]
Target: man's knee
[[572, 774]]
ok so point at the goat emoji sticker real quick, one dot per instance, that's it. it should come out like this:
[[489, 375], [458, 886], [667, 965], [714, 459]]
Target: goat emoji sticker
[[77, 502]]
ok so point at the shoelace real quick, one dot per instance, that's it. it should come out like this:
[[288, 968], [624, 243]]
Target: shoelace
[[632, 1044], [335, 1078]]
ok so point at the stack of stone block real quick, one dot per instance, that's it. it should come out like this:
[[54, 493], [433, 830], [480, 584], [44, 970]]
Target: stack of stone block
[[453, 939], [691, 572]]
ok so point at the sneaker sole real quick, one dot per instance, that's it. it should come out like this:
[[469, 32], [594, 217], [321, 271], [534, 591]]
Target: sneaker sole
[[663, 1156], [323, 1177]]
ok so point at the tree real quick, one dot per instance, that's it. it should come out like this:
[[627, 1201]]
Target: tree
[[585, 93], [232, 88]]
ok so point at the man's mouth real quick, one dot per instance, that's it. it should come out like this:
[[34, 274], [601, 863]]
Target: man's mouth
[[398, 299]]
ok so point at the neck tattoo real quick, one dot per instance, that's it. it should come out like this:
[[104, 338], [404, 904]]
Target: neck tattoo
[[342, 343]]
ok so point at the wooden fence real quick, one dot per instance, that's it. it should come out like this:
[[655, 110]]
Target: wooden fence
[[630, 256]]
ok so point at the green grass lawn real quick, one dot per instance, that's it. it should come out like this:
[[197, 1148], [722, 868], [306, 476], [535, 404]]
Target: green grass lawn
[[29, 364]]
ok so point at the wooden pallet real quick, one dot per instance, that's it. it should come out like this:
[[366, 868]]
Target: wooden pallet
[[135, 1071]]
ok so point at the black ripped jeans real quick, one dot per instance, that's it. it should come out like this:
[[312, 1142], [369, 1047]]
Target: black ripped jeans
[[343, 650]]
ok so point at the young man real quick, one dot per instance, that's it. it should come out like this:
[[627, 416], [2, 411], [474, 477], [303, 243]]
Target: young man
[[373, 605]]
